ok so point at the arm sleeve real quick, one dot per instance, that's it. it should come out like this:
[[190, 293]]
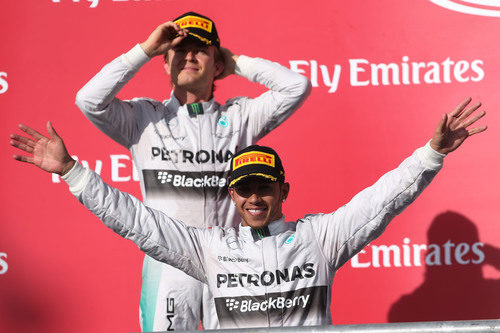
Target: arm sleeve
[[287, 91], [348, 230], [156, 234], [97, 101]]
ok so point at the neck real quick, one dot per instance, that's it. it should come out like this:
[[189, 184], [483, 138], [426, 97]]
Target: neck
[[245, 224], [187, 97]]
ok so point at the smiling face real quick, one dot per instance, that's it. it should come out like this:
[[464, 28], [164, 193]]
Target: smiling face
[[192, 66], [259, 202]]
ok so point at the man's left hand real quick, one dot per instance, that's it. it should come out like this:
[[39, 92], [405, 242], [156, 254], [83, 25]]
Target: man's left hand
[[229, 63], [454, 127]]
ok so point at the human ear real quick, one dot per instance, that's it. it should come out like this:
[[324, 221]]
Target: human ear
[[219, 68], [167, 67], [285, 189], [231, 193]]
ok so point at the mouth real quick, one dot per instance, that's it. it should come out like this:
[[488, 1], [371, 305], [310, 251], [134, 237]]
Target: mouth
[[190, 69], [256, 211]]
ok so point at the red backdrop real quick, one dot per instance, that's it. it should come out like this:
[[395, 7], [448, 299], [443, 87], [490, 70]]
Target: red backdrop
[[383, 73]]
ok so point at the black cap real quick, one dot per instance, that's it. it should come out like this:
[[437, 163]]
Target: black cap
[[200, 27], [256, 161]]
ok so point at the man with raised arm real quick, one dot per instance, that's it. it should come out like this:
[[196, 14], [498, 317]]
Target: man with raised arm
[[264, 272], [182, 146]]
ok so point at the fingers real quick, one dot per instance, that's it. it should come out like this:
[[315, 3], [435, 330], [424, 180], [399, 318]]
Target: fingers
[[177, 40], [172, 25], [472, 120], [22, 139], [456, 112], [167, 27], [22, 146], [468, 112], [52, 132], [26, 159], [442, 124], [174, 29], [28, 130], [477, 130]]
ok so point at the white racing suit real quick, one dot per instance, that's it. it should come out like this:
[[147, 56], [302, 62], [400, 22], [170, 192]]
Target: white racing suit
[[182, 153], [277, 276]]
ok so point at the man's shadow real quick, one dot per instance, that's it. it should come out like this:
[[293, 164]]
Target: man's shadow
[[453, 291]]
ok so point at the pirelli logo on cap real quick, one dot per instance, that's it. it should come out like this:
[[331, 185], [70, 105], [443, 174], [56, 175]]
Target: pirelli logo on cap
[[253, 157], [194, 22]]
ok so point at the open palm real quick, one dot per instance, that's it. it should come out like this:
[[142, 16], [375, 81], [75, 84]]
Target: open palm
[[453, 128], [49, 154]]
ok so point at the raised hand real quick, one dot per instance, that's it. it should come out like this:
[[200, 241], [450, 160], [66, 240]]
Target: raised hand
[[229, 63], [49, 154], [163, 38], [453, 128]]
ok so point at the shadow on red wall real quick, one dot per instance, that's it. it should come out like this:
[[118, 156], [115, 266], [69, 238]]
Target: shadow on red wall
[[453, 291], [28, 307]]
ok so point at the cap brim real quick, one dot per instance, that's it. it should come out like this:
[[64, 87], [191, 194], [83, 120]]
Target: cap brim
[[198, 38], [267, 178]]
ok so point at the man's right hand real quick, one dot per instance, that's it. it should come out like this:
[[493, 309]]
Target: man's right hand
[[163, 38], [49, 154]]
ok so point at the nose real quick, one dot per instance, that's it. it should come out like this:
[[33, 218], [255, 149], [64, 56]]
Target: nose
[[190, 55], [254, 198]]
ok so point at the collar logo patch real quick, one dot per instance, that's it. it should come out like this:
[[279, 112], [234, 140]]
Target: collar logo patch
[[194, 22], [194, 109], [253, 157]]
